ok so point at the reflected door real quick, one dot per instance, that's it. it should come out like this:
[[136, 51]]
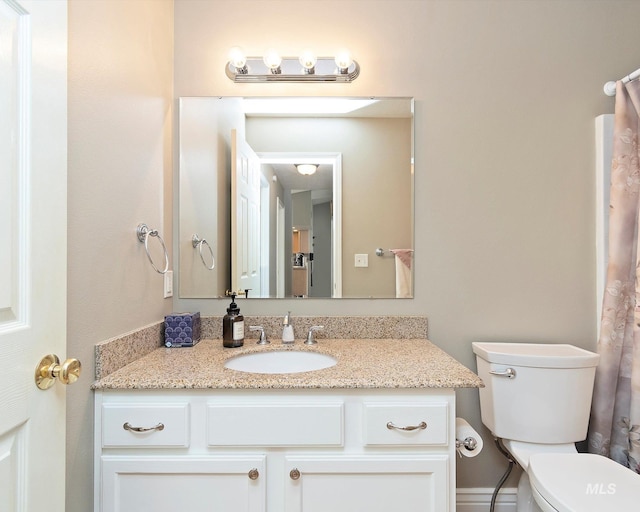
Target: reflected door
[[281, 259], [245, 224]]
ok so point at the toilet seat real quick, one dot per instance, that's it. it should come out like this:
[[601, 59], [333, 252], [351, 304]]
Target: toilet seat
[[583, 482]]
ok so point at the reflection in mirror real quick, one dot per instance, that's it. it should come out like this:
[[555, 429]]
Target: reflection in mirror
[[280, 233]]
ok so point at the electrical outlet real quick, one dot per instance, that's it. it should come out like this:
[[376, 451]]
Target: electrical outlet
[[168, 284], [362, 260]]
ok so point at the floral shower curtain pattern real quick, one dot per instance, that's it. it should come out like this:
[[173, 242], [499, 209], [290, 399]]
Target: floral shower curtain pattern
[[614, 430]]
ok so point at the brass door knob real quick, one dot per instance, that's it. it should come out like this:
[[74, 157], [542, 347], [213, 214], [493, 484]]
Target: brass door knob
[[49, 369]]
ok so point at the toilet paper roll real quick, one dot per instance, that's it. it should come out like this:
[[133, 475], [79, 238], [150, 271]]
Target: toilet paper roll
[[464, 432]]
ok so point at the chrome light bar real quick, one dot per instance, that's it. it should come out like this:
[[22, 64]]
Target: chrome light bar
[[290, 70]]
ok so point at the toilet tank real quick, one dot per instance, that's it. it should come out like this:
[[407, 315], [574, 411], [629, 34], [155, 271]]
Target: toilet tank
[[548, 399]]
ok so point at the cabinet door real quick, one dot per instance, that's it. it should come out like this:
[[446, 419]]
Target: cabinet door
[[164, 484], [367, 484]]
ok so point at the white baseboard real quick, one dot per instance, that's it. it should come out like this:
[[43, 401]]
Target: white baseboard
[[478, 499]]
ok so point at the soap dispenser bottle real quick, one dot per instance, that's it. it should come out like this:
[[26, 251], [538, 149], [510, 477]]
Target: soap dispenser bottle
[[287, 330], [233, 326]]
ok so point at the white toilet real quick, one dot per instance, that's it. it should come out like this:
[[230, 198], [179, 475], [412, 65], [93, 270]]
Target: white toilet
[[537, 399]]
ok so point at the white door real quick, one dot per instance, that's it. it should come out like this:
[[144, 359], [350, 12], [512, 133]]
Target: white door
[[33, 188], [245, 218], [265, 236]]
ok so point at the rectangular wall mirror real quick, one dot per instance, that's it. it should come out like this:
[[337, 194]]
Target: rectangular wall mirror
[[251, 219]]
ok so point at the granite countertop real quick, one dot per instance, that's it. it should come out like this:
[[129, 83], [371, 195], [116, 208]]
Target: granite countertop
[[362, 363]]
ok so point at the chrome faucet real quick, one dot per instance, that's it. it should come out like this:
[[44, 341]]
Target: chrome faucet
[[310, 337], [263, 337]]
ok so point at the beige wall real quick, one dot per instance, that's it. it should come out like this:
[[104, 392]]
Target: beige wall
[[119, 148], [506, 94]]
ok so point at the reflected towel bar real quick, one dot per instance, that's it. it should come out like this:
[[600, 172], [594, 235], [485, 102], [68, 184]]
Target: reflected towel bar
[[198, 243], [380, 251]]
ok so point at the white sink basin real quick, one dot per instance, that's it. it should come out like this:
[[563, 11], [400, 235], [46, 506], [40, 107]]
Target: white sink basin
[[280, 361]]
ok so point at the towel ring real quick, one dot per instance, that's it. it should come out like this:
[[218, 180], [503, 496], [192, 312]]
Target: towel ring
[[144, 233], [198, 243]]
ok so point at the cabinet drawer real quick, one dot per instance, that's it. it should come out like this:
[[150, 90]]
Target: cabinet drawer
[[406, 423], [158, 426], [275, 424]]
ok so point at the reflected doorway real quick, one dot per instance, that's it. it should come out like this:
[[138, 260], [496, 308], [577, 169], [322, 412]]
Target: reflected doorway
[[311, 241]]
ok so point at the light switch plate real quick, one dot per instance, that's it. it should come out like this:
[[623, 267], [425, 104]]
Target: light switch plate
[[168, 284], [362, 260]]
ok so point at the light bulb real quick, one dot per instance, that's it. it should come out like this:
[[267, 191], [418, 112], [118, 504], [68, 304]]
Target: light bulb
[[272, 60], [237, 57], [343, 60], [308, 61]]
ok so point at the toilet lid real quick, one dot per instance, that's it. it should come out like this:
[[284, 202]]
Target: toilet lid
[[584, 482]]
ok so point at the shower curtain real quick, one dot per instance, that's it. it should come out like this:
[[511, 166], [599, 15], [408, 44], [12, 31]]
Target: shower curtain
[[614, 429]]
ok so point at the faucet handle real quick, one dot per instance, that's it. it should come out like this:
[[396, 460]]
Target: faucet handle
[[310, 338], [263, 337]]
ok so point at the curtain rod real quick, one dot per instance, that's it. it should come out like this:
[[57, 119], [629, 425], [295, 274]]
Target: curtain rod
[[610, 87]]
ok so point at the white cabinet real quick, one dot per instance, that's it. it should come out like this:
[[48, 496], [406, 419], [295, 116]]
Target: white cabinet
[[275, 450], [193, 484], [367, 483]]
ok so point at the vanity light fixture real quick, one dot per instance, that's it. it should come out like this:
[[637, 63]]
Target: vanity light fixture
[[272, 60], [307, 169], [305, 68], [308, 62], [238, 60], [343, 60]]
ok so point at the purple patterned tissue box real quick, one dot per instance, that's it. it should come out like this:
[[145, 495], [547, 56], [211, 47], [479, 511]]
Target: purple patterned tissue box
[[181, 329]]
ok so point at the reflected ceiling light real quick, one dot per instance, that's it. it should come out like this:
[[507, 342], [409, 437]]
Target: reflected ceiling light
[[305, 68], [307, 169]]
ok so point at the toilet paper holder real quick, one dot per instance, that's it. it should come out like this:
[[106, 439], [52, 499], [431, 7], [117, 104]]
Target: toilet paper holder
[[470, 443]]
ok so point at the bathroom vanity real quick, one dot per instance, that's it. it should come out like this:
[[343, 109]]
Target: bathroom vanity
[[176, 430]]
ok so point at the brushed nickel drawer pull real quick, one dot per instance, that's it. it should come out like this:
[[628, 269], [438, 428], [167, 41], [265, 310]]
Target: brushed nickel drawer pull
[[130, 428], [294, 474], [254, 474], [421, 426]]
